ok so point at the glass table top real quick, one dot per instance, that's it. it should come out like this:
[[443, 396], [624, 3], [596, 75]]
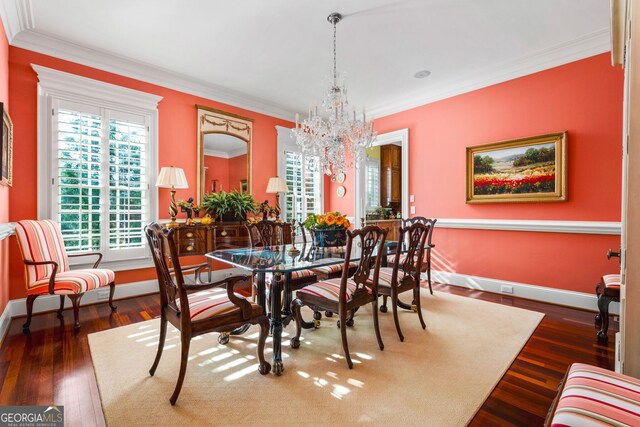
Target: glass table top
[[271, 259]]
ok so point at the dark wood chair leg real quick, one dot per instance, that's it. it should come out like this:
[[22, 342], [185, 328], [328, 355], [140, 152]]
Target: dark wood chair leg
[[416, 299], [161, 340], [112, 290], [429, 273], [343, 333], [394, 304], [383, 307], [75, 301], [598, 319], [186, 342], [295, 308], [264, 367], [30, 300], [59, 314], [603, 305], [376, 324]]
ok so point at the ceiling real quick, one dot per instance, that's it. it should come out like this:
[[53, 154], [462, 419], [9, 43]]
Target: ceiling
[[275, 56]]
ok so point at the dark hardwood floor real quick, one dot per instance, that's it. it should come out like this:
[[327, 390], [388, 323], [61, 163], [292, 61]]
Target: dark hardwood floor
[[53, 366]]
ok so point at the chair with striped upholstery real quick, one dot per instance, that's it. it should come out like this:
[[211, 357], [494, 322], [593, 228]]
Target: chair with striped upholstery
[[196, 309], [47, 268], [346, 294], [607, 290], [404, 275], [592, 396], [426, 265]]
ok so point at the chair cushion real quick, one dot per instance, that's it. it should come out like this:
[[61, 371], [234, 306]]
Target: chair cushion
[[211, 302], [299, 274], [384, 277], [330, 269], [596, 396], [611, 281], [328, 289], [74, 281]]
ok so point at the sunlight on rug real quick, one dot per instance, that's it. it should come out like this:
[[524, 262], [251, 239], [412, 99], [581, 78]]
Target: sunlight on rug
[[439, 376]]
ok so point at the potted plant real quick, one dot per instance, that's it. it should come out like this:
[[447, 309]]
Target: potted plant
[[329, 229], [232, 206]]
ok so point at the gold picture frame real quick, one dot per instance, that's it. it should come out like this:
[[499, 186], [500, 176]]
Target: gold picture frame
[[532, 169], [6, 148]]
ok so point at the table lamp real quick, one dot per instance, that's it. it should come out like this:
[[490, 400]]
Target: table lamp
[[172, 177], [276, 186]]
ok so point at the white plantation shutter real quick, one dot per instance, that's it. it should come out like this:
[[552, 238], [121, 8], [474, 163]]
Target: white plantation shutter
[[128, 185], [79, 178], [100, 172], [303, 177], [373, 184]]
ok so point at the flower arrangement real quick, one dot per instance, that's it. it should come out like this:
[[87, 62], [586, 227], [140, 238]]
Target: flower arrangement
[[327, 221]]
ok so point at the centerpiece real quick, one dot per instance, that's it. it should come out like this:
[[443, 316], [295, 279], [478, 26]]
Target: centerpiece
[[329, 229]]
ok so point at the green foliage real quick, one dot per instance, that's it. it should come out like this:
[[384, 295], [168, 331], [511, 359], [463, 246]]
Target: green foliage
[[234, 202], [482, 164]]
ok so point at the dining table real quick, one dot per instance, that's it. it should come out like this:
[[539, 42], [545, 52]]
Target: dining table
[[279, 261]]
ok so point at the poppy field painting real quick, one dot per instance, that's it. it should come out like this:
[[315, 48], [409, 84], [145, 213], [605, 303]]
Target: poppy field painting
[[520, 170]]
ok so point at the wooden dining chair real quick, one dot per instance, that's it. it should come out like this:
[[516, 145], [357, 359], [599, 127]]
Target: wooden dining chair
[[404, 275], [346, 294], [426, 265], [196, 309], [47, 268]]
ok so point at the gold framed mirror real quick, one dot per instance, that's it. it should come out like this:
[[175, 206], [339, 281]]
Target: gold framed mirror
[[224, 151]]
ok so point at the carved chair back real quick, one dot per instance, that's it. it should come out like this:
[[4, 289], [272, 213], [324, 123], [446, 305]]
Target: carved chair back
[[425, 221], [170, 280], [266, 233], [371, 242], [415, 236]]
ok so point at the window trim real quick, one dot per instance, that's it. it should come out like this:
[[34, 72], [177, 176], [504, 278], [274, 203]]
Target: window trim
[[287, 143], [65, 86]]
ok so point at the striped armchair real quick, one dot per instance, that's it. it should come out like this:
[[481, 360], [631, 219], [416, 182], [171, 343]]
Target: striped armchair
[[47, 268]]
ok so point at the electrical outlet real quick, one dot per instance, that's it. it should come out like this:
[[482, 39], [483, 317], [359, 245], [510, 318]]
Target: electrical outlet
[[102, 295], [506, 289], [413, 209], [412, 198]]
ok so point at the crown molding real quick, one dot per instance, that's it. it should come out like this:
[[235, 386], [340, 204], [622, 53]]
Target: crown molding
[[17, 16], [58, 48], [583, 47]]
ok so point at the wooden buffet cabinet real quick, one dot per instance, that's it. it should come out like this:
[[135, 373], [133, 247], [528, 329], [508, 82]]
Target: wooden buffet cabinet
[[390, 224], [199, 239]]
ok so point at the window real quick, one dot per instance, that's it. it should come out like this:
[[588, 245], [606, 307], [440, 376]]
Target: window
[[100, 157], [303, 176], [373, 183]]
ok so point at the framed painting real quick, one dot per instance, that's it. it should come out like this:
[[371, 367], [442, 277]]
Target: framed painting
[[244, 186], [530, 169], [6, 148]]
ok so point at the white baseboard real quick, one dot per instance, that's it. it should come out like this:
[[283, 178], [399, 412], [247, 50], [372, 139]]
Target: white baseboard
[[538, 293]]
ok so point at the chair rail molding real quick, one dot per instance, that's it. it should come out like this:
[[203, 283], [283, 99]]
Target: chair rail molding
[[540, 226], [7, 229]]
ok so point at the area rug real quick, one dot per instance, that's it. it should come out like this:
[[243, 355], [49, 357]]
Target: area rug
[[438, 377]]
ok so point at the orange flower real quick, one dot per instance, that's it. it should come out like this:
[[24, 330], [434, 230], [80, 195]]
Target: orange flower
[[330, 219], [321, 219], [340, 221], [346, 223]]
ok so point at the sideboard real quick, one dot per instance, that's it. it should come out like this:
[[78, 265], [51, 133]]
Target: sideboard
[[199, 239]]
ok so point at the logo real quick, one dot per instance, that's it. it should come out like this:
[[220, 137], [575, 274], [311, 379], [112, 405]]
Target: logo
[[31, 416]]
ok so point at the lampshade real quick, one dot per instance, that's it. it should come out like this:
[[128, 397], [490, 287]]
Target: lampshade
[[277, 185], [172, 177]]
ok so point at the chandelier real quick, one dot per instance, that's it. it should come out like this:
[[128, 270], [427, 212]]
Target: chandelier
[[340, 139]]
